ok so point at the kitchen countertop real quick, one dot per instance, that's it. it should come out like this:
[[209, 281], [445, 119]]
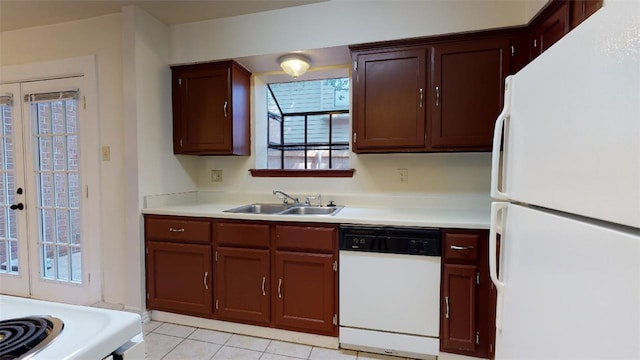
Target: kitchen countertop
[[457, 213]]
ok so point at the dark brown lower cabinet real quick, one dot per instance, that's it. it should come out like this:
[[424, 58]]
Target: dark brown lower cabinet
[[243, 284], [281, 275], [460, 310], [304, 286], [179, 278], [467, 309]]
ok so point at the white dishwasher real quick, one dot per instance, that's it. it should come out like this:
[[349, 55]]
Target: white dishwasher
[[390, 290]]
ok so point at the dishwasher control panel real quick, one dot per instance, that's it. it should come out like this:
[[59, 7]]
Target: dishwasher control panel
[[396, 240]]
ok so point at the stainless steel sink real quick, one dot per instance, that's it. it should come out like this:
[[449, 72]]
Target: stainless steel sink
[[281, 209], [259, 209], [312, 210]]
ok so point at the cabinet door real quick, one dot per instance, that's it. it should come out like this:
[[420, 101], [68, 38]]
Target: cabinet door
[[468, 88], [242, 284], [582, 9], [390, 100], [459, 307], [550, 30], [179, 278], [305, 292], [202, 110]]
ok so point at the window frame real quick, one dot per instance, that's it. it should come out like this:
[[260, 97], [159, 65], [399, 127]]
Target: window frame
[[305, 145]]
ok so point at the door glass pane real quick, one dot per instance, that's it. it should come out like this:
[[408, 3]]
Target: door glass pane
[[8, 220], [59, 190]]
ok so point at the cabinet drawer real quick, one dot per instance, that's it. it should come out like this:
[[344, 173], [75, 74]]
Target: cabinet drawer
[[178, 230], [243, 235], [306, 238], [461, 246]]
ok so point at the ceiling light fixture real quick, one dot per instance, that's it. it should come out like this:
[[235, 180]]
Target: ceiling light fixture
[[294, 64]]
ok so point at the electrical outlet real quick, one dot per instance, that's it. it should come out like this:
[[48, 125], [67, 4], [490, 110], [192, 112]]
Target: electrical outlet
[[216, 175], [106, 153], [403, 176]]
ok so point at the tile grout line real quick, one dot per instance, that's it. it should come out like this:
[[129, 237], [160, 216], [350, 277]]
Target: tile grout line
[[225, 343]]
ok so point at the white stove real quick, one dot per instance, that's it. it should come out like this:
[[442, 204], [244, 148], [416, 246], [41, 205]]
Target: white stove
[[87, 333]]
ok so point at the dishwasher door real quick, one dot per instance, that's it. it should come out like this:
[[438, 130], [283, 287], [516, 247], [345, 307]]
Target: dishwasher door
[[390, 292]]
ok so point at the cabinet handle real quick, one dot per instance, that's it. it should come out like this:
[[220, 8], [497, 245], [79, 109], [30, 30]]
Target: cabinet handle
[[176, 230], [280, 288], [225, 109], [264, 279], [446, 300], [421, 97], [437, 95], [455, 247], [206, 276]]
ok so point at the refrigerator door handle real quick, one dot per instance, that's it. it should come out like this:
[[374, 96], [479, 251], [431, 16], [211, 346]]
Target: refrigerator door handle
[[496, 193], [497, 208]]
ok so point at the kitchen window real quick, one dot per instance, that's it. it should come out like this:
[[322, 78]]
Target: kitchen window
[[308, 125]]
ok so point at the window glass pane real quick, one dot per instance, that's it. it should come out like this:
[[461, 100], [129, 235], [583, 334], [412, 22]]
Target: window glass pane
[[340, 159], [272, 106], [44, 118], [340, 130], [315, 95], [293, 129], [317, 159], [274, 131], [46, 153], [318, 129], [293, 159], [274, 159], [59, 189], [313, 125]]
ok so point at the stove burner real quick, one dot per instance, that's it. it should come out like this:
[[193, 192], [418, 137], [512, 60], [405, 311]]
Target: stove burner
[[21, 338]]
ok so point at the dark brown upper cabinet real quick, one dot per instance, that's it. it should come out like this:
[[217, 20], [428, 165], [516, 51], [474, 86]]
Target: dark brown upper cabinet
[[390, 103], [555, 20], [582, 9], [467, 92], [448, 102], [404, 103], [211, 109], [549, 27]]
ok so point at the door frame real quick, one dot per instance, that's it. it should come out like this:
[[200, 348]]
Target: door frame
[[85, 66]]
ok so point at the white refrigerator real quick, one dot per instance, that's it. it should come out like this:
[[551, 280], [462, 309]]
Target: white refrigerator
[[566, 187]]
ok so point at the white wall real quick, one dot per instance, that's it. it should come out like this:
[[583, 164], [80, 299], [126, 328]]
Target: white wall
[[151, 167], [336, 23], [132, 52], [339, 23], [99, 36]]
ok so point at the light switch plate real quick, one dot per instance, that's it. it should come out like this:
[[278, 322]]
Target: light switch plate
[[106, 153]]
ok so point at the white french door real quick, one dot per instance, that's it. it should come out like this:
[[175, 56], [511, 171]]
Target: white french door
[[43, 232]]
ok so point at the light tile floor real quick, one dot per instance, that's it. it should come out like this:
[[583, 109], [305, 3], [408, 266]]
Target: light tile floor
[[168, 341]]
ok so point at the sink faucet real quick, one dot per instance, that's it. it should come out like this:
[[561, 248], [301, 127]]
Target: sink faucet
[[285, 197], [316, 197]]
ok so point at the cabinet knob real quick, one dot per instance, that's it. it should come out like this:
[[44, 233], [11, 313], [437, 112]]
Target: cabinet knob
[[225, 108], [437, 95]]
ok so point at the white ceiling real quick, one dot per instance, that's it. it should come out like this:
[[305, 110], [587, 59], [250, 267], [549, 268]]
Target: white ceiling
[[20, 14]]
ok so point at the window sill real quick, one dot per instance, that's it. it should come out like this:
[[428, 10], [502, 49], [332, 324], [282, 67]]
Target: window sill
[[301, 173]]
